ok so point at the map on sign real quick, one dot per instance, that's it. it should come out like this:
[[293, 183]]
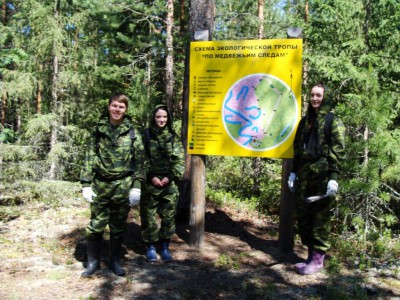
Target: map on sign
[[259, 112]]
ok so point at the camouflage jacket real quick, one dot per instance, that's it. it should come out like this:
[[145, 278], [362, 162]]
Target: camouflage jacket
[[112, 153], [333, 150], [165, 154]]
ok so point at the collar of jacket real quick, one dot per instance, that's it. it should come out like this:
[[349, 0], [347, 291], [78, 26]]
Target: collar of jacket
[[104, 123]]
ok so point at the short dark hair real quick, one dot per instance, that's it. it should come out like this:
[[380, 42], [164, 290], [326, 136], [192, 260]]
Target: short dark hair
[[119, 98]]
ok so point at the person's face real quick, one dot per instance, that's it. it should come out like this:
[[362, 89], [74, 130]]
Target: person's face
[[117, 111], [316, 97], [161, 118]]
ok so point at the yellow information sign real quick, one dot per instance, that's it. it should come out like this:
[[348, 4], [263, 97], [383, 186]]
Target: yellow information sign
[[245, 97]]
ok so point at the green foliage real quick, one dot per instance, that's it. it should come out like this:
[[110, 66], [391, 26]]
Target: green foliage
[[52, 193], [7, 135], [240, 182]]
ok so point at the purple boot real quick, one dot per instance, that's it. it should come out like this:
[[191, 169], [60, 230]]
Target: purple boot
[[303, 264], [316, 263]]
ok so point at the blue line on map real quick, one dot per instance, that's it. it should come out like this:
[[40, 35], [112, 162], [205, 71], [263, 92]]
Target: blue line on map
[[242, 95], [256, 109], [233, 111], [284, 130]]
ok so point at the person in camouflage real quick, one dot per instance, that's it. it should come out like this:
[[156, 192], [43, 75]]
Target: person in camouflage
[[111, 178], [318, 152], [160, 195]]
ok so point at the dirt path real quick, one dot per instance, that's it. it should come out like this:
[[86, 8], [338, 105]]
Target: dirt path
[[42, 251]]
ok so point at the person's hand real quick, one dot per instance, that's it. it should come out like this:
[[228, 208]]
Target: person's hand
[[156, 182], [292, 178], [134, 197], [332, 187], [165, 181], [88, 194]]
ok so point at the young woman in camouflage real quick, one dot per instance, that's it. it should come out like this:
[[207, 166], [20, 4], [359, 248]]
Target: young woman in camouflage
[[160, 195], [111, 181], [318, 151]]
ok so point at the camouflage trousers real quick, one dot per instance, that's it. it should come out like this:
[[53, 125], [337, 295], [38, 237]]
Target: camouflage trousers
[[313, 219], [162, 201], [110, 207]]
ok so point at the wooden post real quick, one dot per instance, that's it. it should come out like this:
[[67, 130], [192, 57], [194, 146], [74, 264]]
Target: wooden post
[[198, 189], [202, 15], [286, 212], [197, 203]]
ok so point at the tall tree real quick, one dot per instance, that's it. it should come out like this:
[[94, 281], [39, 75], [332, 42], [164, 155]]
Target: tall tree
[[169, 61]]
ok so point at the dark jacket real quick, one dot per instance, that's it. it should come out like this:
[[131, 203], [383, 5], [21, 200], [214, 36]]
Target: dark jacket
[[312, 125]]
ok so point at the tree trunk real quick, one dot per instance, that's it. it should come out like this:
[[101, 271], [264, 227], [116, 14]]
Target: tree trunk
[[305, 64], [169, 74], [366, 150], [3, 107], [260, 19], [202, 15], [4, 12], [39, 98], [182, 18], [54, 99], [4, 93]]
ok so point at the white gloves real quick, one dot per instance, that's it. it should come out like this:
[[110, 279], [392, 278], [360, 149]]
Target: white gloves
[[134, 197], [332, 187], [88, 194], [292, 178]]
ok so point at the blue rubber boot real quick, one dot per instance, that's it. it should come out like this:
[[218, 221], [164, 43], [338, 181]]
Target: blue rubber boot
[[164, 252], [151, 255]]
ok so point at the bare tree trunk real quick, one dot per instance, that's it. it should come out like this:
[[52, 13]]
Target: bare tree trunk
[[54, 98], [4, 13], [3, 107], [202, 15], [18, 116], [260, 19], [182, 19], [39, 98], [287, 203], [4, 93], [169, 73], [366, 150], [305, 64]]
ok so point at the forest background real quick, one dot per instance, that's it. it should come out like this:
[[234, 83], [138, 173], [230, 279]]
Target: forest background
[[60, 60]]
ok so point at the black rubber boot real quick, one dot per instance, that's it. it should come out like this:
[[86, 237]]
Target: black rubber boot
[[93, 257], [115, 251]]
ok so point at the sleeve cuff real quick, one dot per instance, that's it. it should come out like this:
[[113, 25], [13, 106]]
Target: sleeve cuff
[[137, 184], [333, 176], [170, 177]]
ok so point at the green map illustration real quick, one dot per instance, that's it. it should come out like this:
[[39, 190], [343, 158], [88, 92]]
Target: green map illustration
[[259, 112]]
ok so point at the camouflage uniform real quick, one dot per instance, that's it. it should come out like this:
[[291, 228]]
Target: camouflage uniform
[[113, 165], [166, 159], [313, 174]]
